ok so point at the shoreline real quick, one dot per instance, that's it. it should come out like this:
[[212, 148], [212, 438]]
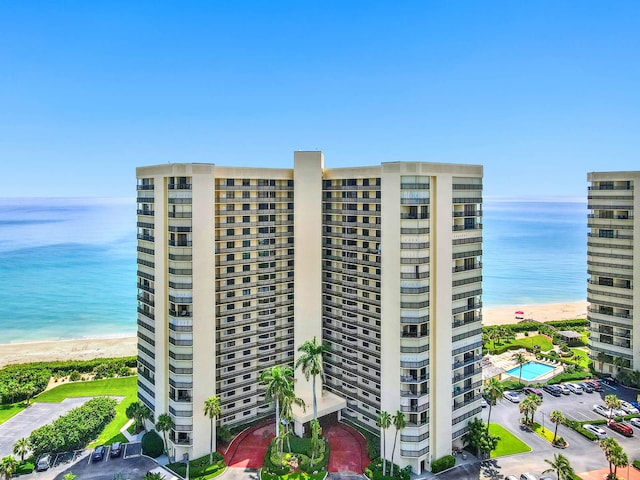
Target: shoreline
[[540, 313], [124, 346], [72, 349]]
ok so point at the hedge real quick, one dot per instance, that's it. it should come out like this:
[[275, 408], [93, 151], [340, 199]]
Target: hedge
[[569, 377], [568, 324], [75, 429], [374, 471], [443, 463]]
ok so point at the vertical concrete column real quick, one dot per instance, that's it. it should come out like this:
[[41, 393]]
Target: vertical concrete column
[[307, 175], [390, 298], [441, 385], [204, 303]]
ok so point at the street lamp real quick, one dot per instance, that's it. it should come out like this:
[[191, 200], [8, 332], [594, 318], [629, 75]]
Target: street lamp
[[542, 420]]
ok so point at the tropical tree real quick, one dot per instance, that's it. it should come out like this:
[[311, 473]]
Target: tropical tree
[[8, 466], [520, 360], [279, 381], [212, 409], [310, 363], [612, 402], [619, 458], [556, 417], [316, 440], [288, 400], [139, 412], [479, 438], [153, 476], [493, 391], [384, 421], [561, 466], [609, 446], [21, 447], [164, 424], [69, 476], [601, 357], [399, 423]]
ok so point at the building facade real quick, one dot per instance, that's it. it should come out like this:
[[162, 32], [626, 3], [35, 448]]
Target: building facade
[[612, 290], [237, 267]]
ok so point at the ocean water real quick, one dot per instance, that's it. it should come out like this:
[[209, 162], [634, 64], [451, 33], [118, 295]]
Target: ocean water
[[68, 266]]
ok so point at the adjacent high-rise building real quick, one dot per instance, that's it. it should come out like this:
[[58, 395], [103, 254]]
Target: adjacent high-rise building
[[613, 289], [237, 267]]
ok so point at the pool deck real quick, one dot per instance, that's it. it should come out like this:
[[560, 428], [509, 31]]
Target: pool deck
[[501, 364]]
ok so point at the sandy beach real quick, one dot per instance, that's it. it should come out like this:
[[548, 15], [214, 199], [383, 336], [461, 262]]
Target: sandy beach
[[540, 313], [81, 349]]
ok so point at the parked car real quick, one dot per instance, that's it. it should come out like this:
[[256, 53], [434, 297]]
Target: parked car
[[483, 402], [527, 476], [531, 390], [43, 463], [621, 427], [597, 431], [511, 477], [552, 390], [586, 387], [575, 388], [635, 422], [116, 449], [627, 407], [511, 396], [601, 409], [595, 384], [98, 454], [564, 389]]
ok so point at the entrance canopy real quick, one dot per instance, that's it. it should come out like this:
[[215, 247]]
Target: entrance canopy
[[328, 403]]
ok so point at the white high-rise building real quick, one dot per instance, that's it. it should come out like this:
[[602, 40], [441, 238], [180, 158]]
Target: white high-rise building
[[237, 267], [614, 277]]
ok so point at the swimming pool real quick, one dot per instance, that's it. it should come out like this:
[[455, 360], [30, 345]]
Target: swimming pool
[[531, 370]]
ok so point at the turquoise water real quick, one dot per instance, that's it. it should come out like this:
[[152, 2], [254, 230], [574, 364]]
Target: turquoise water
[[530, 370], [67, 266]]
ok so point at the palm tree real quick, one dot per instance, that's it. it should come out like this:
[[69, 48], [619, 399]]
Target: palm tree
[[384, 422], [399, 423], [279, 381], [212, 409], [139, 412], [286, 412], [493, 390], [153, 476], [536, 401], [618, 362], [528, 406], [164, 424], [557, 418], [609, 446], [311, 364], [612, 401], [8, 466], [69, 476], [520, 360], [619, 458], [601, 357], [21, 447], [561, 466]]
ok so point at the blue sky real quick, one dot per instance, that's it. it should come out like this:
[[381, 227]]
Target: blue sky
[[539, 92]]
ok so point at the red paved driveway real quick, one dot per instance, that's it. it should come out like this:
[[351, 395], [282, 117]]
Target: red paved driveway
[[348, 449], [248, 449]]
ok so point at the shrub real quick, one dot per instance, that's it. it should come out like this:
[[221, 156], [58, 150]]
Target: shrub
[[74, 376], [636, 463], [568, 324], [224, 434], [152, 444], [443, 463], [199, 467], [75, 429]]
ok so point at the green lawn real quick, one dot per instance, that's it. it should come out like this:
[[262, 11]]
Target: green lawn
[[121, 387], [528, 342], [508, 444], [581, 357], [547, 434], [8, 411]]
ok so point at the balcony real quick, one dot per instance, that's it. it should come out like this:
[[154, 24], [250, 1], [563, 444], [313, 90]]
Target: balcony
[[148, 238], [179, 186], [149, 213], [180, 243], [145, 187], [181, 313]]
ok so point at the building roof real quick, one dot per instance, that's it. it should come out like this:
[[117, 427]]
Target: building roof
[[569, 334]]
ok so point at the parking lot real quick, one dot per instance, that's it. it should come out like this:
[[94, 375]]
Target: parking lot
[[129, 465], [583, 454]]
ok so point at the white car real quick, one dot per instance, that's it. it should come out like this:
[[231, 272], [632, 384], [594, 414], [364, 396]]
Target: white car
[[635, 422], [575, 388], [512, 396], [597, 431], [564, 389], [483, 403], [628, 408], [604, 411]]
